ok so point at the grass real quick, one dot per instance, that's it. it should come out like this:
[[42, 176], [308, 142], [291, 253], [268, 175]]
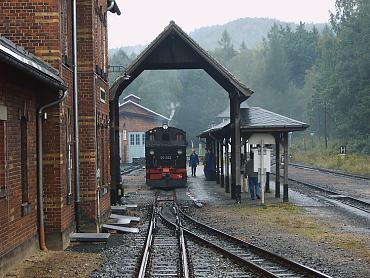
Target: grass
[[351, 163], [288, 217], [294, 220]]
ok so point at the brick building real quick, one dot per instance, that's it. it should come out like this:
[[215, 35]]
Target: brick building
[[19, 102], [134, 121], [44, 29]]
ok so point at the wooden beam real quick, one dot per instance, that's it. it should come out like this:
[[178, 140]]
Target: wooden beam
[[222, 178], [277, 166], [227, 164], [235, 148], [286, 157], [217, 162]]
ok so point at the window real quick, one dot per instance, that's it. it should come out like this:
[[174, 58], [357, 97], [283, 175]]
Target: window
[[24, 158], [124, 134], [143, 139], [102, 95], [137, 139], [132, 139], [179, 137]]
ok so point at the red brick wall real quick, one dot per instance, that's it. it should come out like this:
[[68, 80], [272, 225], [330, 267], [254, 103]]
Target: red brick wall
[[43, 28], [94, 112], [33, 25], [15, 228]]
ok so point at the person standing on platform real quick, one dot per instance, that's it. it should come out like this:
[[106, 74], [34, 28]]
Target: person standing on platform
[[209, 166], [193, 163], [252, 178]]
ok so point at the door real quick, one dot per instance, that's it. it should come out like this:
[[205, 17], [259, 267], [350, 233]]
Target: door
[[136, 146]]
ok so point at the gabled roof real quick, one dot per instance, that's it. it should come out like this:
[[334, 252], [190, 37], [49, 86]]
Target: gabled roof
[[174, 49], [144, 108], [257, 119], [131, 95], [22, 60]]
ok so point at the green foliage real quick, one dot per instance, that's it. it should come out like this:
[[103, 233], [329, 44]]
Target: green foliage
[[331, 159], [250, 30], [225, 52], [343, 70]]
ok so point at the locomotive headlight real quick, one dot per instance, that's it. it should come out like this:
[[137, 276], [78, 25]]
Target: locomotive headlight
[[151, 152], [179, 152]]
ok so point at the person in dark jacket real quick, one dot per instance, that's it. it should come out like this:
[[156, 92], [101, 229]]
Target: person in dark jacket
[[193, 163], [209, 166], [254, 187]]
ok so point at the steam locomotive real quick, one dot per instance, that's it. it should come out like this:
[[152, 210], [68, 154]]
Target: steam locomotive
[[165, 157]]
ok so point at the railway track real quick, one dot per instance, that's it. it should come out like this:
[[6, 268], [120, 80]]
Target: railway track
[[256, 261], [128, 169], [338, 173], [331, 194], [164, 253]]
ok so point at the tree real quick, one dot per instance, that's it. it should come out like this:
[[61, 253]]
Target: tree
[[225, 52]]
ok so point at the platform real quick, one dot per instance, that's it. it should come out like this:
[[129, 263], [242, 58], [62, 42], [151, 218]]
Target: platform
[[89, 237], [131, 218], [120, 229], [122, 207]]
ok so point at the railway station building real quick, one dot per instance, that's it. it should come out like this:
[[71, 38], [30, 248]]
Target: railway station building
[[37, 68], [134, 120], [19, 111], [258, 127]]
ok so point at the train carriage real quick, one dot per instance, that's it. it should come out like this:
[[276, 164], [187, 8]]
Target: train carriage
[[165, 157]]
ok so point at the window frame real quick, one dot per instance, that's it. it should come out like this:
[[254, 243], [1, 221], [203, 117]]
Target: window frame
[[132, 139], [100, 95]]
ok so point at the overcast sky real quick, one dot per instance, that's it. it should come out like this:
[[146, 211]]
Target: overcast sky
[[142, 20]]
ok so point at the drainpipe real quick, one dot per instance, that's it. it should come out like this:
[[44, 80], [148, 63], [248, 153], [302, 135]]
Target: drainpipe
[[40, 113], [75, 118]]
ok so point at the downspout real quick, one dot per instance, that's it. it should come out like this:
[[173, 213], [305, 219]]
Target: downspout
[[40, 113], [75, 117]]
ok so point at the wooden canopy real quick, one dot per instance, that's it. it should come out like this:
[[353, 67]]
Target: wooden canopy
[[174, 49]]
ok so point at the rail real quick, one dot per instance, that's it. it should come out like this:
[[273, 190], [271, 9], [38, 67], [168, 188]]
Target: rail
[[184, 255], [330, 194], [282, 261], [339, 173], [159, 238], [148, 244]]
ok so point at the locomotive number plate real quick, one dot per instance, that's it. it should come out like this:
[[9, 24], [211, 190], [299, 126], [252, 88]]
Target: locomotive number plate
[[166, 157]]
